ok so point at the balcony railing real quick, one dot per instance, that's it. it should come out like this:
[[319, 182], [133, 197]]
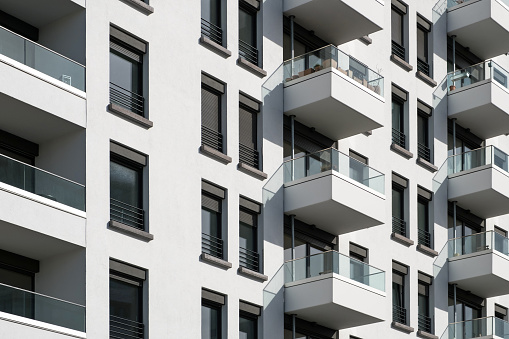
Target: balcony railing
[[489, 327], [212, 138], [424, 323], [42, 183], [127, 99], [489, 155], [121, 328], [423, 152], [423, 66], [39, 307], [452, 3], [248, 52], [399, 314], [249, 156], [424, 238], [478, 242], [486, 70], [331, 57], [127, 214], [334, 262], [212, 245], [399, 138], [211, 31], [249, 259], [398, 226], [42, 59], [332, 159], [398, 50]]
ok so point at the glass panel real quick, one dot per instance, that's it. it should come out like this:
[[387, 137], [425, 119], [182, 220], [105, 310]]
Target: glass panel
[[397, 27], [423, 305], [210, 223], [247, 236], [247, 328], [422, 215], [125, 184], [422, 42], [247, 27], [422, 130], [451, 3], [210, 322], [476, 243], [397, 203], [397, 116], [482, 71], [479, 157], [125, 300], [211, 11], [125, 72]]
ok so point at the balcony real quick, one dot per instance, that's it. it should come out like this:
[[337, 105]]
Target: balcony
[[40, 312], [334, 93], [337, 21], [478, 261], [479, 181], [480, 25], [326, 288], [480, 99], [483, 328], [335, 192]]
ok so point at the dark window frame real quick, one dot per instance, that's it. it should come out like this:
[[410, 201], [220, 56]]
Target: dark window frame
[[398, 133], [207, 131], [248, 51], [251, 317], [219, 308], [399, 224], [399, 49]]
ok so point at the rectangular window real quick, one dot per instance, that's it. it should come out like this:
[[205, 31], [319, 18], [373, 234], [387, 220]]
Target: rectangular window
[[248, 320], [399, 98], [358, 167], [248, 233], [399, 313], [423, 138], [359, 271], [211, 314], [423, 220], [500, 321], [397, 29], [126, 71], [247, 33], [425, 320], [126, 186], [126, 300], [423, 29], [399, 184], [211, 219], [211, 20], [248, 131], [212, 92]]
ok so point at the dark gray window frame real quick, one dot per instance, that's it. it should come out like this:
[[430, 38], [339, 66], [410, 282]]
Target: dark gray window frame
[[248, 155], [211, 195], [399, 276], [249, 214], [210, 137], [217, 301]]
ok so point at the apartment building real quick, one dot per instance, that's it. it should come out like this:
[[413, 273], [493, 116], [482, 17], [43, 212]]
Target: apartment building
[[254, 169]]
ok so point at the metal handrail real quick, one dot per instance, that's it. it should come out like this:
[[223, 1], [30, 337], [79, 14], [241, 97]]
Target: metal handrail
[[249, 156], [126, 98], [398, 137], [423, 151], [212, 138], [424, 237], [422, 66], [398, 50], [215, 245], [136, 216], [250, 52], [399, 314], [424, 323], [250, 259], [137, 331], [399, 226], [212, 31]]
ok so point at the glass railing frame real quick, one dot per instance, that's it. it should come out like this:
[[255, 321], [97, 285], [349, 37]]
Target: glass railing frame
[[486, 323], [490, 163], [452, 3], [488, 75], [451, 243]]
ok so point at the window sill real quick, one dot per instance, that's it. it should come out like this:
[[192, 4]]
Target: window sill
[[215, 47], [401, 63], [426, 335], [128, 230], [426, 250], [251, 67], [141, 6], [215, 154], [131, 116], [402, 327], [366, 39], [251, 171], [252, 274], [426, 164], [402, 239], [428, 80], [204, 257], [401, 151]]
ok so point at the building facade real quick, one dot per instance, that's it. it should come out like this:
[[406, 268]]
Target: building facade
[[254, 169]]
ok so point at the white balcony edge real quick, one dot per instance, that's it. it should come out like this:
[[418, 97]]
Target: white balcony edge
[[477, 169], [41, 325], [479, 253]]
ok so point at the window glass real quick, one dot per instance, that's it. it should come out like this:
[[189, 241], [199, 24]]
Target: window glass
[[247, 237], [210, 322], [247, 27], [422, 130], [397, 203], [422, 215], [397, 295], [423, 304], [211, 11], [397, 27], [247, 328], [422, 44], [125, 300], [125, 73], [125, 184], [210, 222], [300, 248], [397, 115]]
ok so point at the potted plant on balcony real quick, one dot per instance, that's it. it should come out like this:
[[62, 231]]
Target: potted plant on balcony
[[317, 67]]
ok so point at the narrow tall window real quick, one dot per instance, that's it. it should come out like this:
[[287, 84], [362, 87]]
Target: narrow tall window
[[423, 133], [211, 98], [359, 170], [501, 241], [211, 219], [359, 271], [399, 184], [211, 20], [423, 29], [425, 320], [500, 320], [397, 29], [399, 313], [248, 132], [212, 304], [399, 98], [248, 49], [126, 72], [248, 320], [248, 233], [423, 224]]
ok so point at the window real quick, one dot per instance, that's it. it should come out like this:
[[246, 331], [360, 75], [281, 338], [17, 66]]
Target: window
[[399, 98], [247, 32], [126, 186], [359, 171], [248, 233], [248, 132], [211, 219], [423, 145], [211, 314], [248, 320], [126, 72], [126, 300], [500, 320], [423, 224], [424, 321], [359, 271], [468, 307], [212, 92], [399, 272], [306, 330], [467, 224], [423, 30], [397, 29], [399, 185], [501, 241], [309, 240], [211, 20]]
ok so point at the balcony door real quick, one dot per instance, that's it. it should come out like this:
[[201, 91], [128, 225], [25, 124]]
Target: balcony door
[[468, 325]]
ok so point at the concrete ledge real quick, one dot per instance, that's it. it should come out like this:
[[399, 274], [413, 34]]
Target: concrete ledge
[[401, 63], [426, 335], [215, 47], [426, 250], [251, 67], [129, 230], [215, 154], [131, 116], [402, 327], [428, 80], [251, 171], [426, 164], [402, 239], [366, 39], [140, 5], [252, 274], [401, 151], [215, 261]]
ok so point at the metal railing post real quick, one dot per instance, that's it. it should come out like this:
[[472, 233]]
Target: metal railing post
[[292, 122]]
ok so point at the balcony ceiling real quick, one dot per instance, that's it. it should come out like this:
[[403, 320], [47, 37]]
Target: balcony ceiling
[[39, 13]]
